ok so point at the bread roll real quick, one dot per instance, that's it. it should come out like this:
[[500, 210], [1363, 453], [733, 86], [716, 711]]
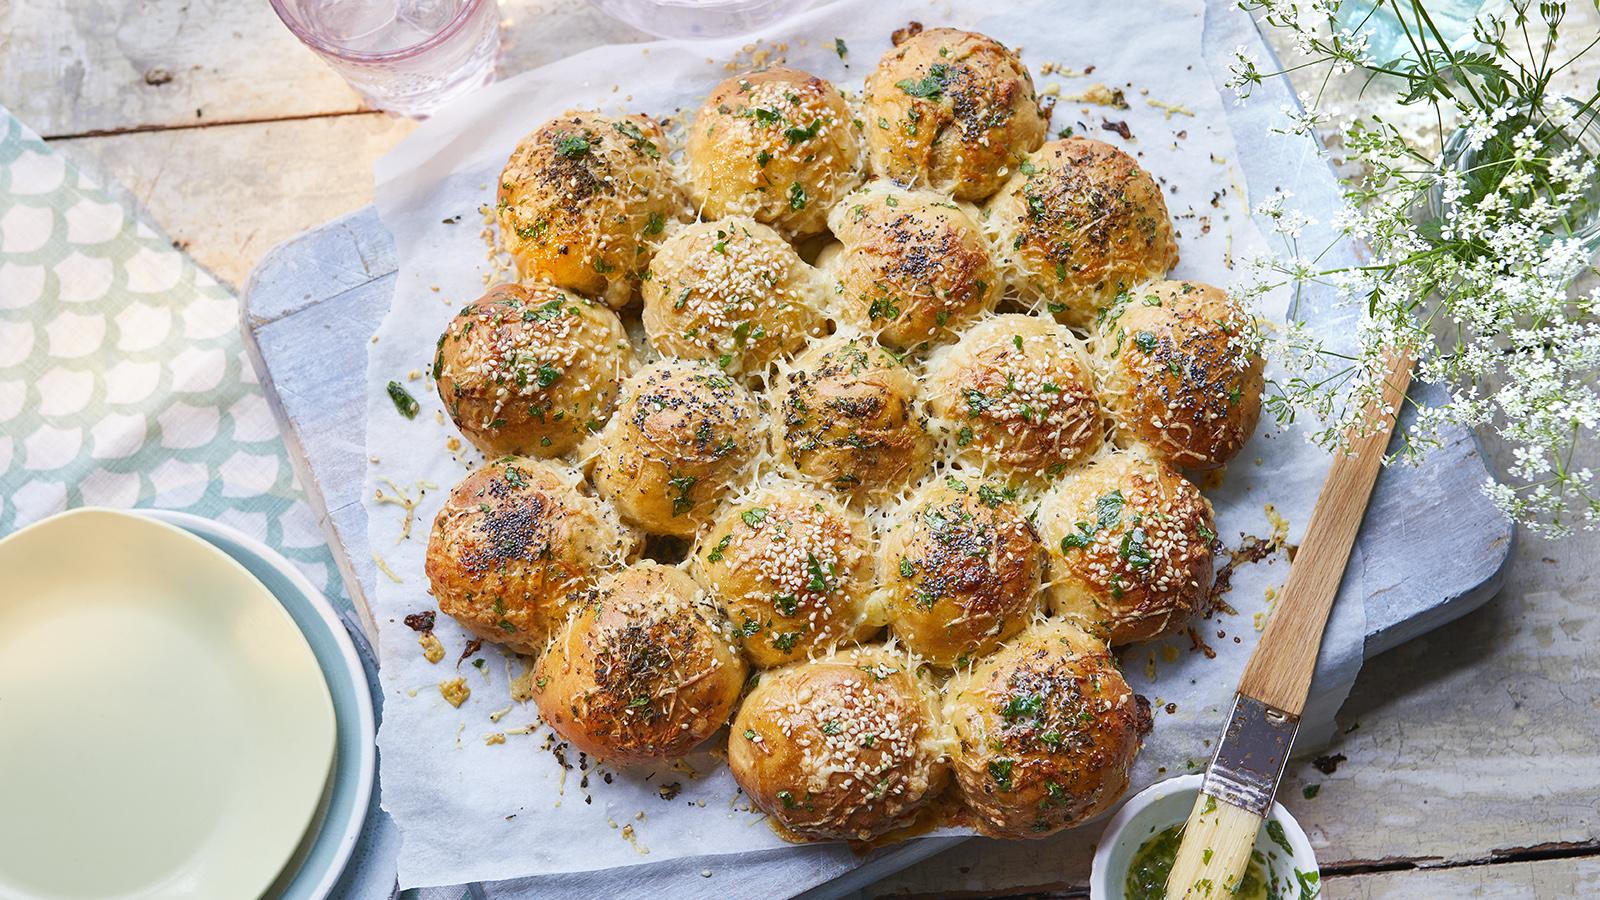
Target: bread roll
[[779, 145], [732, 292], [582, 199], [645, 669], [1017, 393], [951, 110], [847, 747], [1130, 548], [682, 437], [1046, 732], [913, 267], [1077, 224], [794, 569], [516, 542], [961, 570], [531, 369], [1182, 378], [845, 416]]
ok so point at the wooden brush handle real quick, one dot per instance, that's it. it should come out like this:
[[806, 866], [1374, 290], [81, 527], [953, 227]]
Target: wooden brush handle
[[1279, 672]]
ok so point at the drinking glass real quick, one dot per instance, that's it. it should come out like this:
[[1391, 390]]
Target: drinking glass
[[406, 57], [1388, 35]]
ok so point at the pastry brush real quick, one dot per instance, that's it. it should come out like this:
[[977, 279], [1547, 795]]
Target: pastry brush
[[1243, 776]]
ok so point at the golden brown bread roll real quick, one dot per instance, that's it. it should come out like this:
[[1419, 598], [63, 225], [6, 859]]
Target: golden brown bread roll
[[582, 199], [1130, 547], [847, 747], [1046, 732], [845, 416], [531, 369], [514, 544], [1079, 223], [951, 110], [793, 568], [682, 436], [961, 570], [732, 292], [913, 267], [645, 669], [1182, 378], [1017, 392], [779, 145]]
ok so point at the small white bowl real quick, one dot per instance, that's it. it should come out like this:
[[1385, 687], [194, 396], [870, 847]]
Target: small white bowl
[[1167, 803]]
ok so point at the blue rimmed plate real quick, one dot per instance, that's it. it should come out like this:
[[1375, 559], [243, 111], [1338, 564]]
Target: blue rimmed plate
[[167, 730], [346, 804]]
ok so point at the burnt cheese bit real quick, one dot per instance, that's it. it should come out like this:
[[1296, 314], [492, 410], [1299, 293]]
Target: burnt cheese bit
[[951, 110], [580, 200], [1130, 545], [794, 569], [845, 747], [1017, 393], [962, 568], [1046, 732], [1079, 223], [681, 439], [914, 267], [845, 418], [514, 544], [645, 670], [531, 369], [732, 292], [778, 145], [1182, 378]]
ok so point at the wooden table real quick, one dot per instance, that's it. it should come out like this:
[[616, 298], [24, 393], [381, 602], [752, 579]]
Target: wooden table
[[1471, 754]]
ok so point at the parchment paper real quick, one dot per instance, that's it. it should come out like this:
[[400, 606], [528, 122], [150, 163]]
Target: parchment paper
[[472, 811]]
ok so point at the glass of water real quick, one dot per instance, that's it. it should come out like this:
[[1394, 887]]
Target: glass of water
[[406, 57]]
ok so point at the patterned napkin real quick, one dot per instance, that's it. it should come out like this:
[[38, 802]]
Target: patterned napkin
[[123, 378], [124, 383]]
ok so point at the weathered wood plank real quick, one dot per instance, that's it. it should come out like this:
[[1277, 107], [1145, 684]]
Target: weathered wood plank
[[83, 66], [1555, 879], [228, 194]]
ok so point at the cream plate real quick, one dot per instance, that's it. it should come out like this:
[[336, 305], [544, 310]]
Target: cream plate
[[165, 730]]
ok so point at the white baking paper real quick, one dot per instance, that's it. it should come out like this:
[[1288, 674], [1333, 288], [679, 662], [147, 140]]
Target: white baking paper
[[472, 811]]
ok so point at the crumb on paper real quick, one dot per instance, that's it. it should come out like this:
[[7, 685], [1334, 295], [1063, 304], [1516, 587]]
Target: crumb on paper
[[414, 374], [432, 649], [384, 568], [629, 835], [455, 691], [499, 714], [453, 444], [1171, 109], [498, 737], [1100, 95]]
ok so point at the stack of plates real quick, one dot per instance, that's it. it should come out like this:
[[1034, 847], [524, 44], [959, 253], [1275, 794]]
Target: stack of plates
[[181, 715]]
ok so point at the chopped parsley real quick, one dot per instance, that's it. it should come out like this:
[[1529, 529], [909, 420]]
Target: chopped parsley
[[1000, 771], [404, 403], [572, 146], [930, 86], [797, 196]]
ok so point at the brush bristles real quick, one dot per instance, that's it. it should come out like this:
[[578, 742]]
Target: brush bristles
[[1215, 849]]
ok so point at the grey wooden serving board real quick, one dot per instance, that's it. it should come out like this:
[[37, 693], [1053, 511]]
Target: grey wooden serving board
[[1432, 548]]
